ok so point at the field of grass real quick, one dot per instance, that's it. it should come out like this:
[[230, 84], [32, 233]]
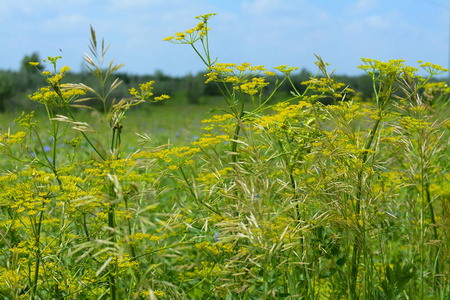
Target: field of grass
[[259, 200]]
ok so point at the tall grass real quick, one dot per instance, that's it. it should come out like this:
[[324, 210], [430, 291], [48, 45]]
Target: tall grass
[[294, 200]]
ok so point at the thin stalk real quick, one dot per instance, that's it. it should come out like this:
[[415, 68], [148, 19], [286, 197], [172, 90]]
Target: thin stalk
[[112, 223], [208, 64], [291, 177], [191, 190], [421, 247], [430, 206], [84, 135], [237, 129], [433, 222], [201, 281], [356, 246], [38, 255], [112, 235]]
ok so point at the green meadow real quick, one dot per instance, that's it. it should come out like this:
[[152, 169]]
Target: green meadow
[[253, 194]]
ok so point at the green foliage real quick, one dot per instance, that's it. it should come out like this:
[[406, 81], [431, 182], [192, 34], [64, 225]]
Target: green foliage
[[7, 89], [25, 63], [288, 199], [195, 88]]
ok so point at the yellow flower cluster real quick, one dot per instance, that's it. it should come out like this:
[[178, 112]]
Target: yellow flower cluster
[[12, 279], [236, 74], [394, 68], [162, 97], [274, 230], [286, 70], [179, 152], [432, 90], [146, 293], [26, 120], [10, 139], [223, 122], [327, 85], [146, 93], [51, 98], [31, 193], [123, 262], [218, 118], [323, 289], [213, 177], [208, 269], [349, 110], [175, 156], [432, 68], [208, 140], [71, 192], [413, 125], [54, 80], [252, 87], [192, 35], [284, 112], [392, 180]]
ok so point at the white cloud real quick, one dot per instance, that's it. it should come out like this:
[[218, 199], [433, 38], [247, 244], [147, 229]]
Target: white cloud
[[262, 7], [378, 22], [67, 22], [363, 6]]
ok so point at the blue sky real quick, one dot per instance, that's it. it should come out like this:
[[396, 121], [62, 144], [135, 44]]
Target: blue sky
[[267, 32]]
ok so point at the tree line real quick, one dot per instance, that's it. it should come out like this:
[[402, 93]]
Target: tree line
[[15, 86]]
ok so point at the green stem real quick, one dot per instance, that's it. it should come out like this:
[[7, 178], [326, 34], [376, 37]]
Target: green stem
[[84, 135], [433, 224], [112, 235], [38, 255], [356, 246], [191, 190], [430, 205]]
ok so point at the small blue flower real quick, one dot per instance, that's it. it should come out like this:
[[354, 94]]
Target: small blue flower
[[216, 237], [47, 148]]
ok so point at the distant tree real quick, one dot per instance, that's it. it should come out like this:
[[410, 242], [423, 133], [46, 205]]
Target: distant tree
[[25, 63], [160, 76], [7, 89], [195, 88]]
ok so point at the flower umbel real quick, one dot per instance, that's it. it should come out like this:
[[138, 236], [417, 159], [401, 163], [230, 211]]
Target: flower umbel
[[192, 35], [146, 92]]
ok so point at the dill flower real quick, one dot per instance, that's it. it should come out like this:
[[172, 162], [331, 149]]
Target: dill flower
[[146, 92], [286, 70], [162, 97], [432, 69], [206, 17], [191, 35]]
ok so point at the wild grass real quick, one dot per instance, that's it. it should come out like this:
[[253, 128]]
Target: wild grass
[[293, 200]]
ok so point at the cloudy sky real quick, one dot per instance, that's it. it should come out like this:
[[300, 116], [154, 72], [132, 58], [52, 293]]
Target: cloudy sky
[[267, 32]]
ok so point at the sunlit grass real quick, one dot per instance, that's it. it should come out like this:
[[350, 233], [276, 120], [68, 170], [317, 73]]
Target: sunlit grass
[[257, 200]]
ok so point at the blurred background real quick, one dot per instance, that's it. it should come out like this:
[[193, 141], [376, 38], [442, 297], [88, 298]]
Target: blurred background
[[267, 32]]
